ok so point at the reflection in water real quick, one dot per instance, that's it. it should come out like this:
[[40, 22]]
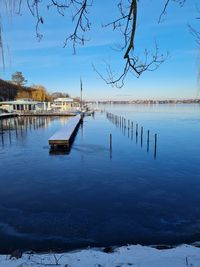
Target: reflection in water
[[59, 150], [90, 149], [84, 198], [16, 128]]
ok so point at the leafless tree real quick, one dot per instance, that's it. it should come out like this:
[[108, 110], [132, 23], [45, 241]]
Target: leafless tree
[[126, 23]]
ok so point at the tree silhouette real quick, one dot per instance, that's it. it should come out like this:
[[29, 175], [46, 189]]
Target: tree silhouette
[[18, 78]]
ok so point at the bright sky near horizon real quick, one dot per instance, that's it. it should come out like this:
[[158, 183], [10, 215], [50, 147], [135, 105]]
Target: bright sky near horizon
[[48, 63]]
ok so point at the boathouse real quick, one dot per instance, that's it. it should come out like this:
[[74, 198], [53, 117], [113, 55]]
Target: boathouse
[[64, 104], [24, 106]]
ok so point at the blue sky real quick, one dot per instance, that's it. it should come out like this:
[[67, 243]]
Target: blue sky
[[48, 63]]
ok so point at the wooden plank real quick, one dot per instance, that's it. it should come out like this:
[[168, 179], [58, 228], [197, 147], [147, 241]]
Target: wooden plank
[[63, 136]]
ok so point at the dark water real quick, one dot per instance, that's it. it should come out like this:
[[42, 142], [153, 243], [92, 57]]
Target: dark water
[[93, 197]]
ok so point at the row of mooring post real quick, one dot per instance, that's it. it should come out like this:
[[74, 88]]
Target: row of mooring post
[[124, 124]]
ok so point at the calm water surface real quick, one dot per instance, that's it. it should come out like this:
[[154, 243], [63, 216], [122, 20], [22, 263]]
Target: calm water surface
[[94, 197]]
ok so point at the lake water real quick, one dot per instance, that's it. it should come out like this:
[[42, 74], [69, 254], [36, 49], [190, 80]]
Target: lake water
[[96, 197]]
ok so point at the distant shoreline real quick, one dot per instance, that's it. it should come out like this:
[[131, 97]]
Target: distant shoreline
[[187, 101]]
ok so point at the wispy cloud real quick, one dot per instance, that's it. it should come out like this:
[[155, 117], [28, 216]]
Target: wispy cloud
[[182, 52]]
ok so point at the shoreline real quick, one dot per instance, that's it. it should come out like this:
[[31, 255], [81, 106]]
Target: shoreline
[[63, 249], [129, 255]]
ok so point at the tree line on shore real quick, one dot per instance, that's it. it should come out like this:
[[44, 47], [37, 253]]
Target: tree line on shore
[[16, 89]]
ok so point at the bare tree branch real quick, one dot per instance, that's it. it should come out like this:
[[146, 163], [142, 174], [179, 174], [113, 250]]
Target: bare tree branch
[[79, 9], [135, 65], [2, 48], [125, 23], [195, 33], [164, 11], [82, 25]]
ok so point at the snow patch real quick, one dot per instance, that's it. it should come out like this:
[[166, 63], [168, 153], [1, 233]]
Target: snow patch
[[130, 255]]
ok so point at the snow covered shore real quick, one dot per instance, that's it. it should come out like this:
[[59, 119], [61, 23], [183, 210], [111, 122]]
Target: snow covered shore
[[132, 255]]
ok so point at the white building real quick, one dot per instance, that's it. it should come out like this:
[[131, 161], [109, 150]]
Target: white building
[[64, 104], [25, 106]]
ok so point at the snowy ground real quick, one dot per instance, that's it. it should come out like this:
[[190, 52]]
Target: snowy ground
[[136, 256]]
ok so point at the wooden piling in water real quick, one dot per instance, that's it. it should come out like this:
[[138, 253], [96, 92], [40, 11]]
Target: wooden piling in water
[[110, 141], [155, 146], [141, 136], [141, 132], [123, 124], [131, 135], [148, 141]]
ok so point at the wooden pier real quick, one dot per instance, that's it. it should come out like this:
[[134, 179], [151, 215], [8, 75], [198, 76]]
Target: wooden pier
[[48, 114], [63, 137]]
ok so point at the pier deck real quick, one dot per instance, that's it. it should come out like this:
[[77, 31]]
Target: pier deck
[[48, 114], [65, 135]]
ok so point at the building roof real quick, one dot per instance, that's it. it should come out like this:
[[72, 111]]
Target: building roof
[[19, 102], [63, 99]]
